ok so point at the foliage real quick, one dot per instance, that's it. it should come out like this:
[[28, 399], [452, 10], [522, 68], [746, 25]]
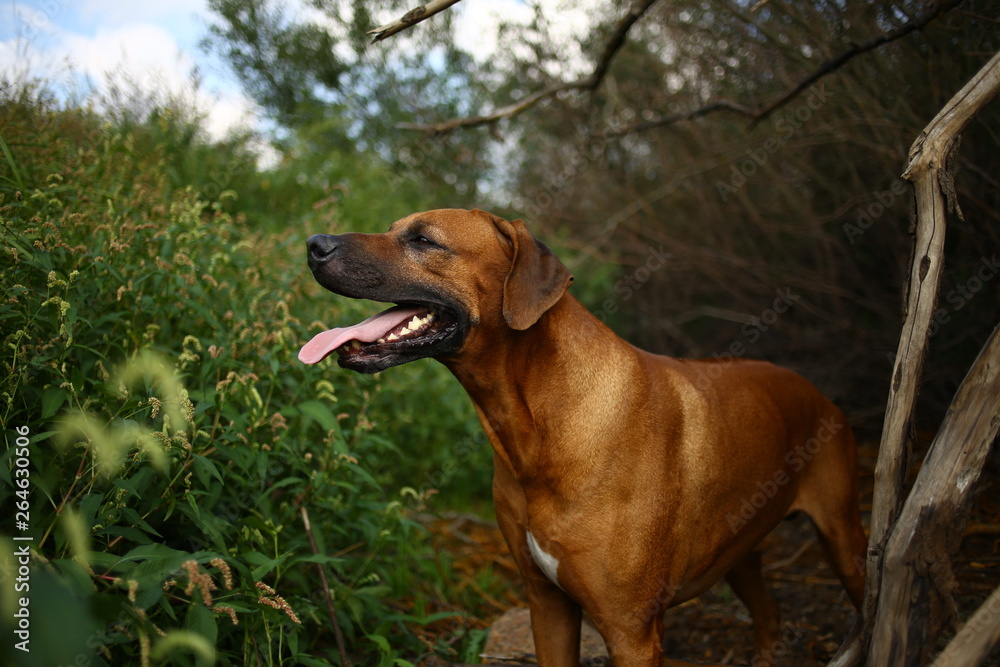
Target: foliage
[[149, 342], [316, 72]]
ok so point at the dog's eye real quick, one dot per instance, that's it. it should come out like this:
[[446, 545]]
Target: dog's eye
[[422, 240]]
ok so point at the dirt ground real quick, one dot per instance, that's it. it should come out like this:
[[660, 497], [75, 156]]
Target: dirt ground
[[715, 628]]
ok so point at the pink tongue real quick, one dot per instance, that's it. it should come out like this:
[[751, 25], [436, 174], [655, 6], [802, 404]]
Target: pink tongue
[[368, 331]]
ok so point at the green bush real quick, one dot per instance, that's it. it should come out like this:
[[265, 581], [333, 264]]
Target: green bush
[[149, 353]]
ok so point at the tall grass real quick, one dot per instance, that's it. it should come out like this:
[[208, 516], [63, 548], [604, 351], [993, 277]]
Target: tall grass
[[154, 298]]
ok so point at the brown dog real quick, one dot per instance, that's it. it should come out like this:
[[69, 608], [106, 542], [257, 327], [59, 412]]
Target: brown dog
[[625, 482]]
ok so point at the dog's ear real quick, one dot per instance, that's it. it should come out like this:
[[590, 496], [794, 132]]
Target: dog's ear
[[536, 280]]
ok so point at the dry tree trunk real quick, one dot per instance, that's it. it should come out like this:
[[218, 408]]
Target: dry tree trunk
[[917, 580], [905, 549]]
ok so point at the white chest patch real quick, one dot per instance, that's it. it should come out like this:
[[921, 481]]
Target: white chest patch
[[547, 562]]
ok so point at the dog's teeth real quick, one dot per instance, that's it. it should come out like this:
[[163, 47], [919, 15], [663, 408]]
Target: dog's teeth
[[392, 337], [355, 345], [404, 331], [414, 323], [381, 340]]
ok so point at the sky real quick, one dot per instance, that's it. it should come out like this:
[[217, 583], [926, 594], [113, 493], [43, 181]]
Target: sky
[[77, 43], [71, 42]]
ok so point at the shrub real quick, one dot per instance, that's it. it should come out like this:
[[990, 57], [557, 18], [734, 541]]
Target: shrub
[[149, 342]]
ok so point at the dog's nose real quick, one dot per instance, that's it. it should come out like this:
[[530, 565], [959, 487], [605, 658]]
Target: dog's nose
[[321, 246]]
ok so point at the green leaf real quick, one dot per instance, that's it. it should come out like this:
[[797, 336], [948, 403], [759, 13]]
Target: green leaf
[[319, 412], [309, 661], [364, 474], [377, 592], [156, 563], [381, 642], [205, 470], [316, 558], [356, 607], [133, 534], [76, 577], [102, 561], [133, 518], [52, 400], [148, 596], [264, 564], [133, 484], [200, 619], [12, 163], [89, 507]]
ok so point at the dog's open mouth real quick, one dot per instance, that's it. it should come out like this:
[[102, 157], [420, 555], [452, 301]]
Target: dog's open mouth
[[395, 336]]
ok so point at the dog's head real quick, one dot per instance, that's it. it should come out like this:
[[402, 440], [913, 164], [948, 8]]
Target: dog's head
[[453, 275]]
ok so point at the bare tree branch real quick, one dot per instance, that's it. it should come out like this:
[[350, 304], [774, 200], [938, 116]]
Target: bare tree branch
[[662, 121], [411, 18], [826, 67], [836, 62], [508, 111], [591, 82], [615, 43]]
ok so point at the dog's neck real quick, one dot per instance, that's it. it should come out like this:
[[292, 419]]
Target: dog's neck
[[530, 410]]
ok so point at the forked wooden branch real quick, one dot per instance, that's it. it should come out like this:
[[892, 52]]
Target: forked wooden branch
[[917, 581], [928, 171]]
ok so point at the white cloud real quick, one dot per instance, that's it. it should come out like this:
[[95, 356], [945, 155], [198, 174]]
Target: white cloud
[[138, 46], [476, 29], [153, 44], [123, 13], [568, 22]]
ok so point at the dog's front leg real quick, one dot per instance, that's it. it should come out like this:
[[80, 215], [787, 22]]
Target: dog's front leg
[[555, 616], [555, 625]]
